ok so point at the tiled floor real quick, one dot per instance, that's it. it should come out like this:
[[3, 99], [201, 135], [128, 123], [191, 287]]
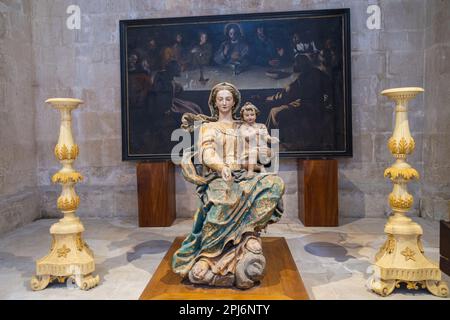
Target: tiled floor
[[333, 262]]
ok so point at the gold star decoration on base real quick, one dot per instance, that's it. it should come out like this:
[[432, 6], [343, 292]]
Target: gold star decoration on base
[[63, 251], [409, 254]]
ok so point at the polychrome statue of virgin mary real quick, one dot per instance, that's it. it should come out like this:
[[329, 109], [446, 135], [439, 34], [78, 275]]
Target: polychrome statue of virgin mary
[[224, 246]]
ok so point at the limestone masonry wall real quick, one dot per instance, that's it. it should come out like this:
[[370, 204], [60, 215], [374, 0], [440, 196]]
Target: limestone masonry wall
[[410, 49], [19, 197]]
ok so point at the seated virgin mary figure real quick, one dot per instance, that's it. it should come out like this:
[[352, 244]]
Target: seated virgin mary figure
[[224, 246]]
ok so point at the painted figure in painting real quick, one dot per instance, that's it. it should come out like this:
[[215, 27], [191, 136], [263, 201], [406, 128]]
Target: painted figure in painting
[[304, 110], [233, 51], [224, 246], [264, 51], [201, 53]]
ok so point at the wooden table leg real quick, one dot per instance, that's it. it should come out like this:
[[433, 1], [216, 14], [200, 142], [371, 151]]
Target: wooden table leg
[[318, 193], [156, 193], [444, 246]]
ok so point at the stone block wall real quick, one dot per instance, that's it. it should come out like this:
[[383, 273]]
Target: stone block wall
[[19, 201], [85, 64], [435, 201]]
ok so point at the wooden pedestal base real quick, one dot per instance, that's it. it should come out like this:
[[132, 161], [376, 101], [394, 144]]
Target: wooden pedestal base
[[318, 193], [156, 193], [444, 245], [281, 281]]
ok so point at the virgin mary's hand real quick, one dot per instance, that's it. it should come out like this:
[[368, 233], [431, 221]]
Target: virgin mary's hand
[[226, 173]]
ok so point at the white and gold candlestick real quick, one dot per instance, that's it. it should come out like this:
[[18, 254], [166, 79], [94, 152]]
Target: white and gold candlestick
[[401, 259], [70, 258]]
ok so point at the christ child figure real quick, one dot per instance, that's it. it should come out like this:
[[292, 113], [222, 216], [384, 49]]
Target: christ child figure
[[255, 138]]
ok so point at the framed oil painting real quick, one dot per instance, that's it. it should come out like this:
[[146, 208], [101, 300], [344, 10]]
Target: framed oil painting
[[294, 66]]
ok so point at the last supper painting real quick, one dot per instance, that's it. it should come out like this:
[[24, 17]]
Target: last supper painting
[[293, 66]]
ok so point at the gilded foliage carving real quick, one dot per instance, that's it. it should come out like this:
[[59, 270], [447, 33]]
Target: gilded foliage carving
[[405, 173], [68, 204], [79, 242], [401, 147], [63, 177], [401, 202], [63, 152]]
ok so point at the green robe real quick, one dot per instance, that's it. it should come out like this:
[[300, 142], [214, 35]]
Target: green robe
[[217, 222]]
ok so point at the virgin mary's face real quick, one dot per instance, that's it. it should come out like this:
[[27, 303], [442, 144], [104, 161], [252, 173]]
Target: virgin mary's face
[[224, 101]]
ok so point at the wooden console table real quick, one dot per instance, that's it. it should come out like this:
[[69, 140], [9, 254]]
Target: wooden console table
[[318, 193], [156, 193]]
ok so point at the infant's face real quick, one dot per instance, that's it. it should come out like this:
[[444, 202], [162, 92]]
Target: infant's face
[[249, 116]]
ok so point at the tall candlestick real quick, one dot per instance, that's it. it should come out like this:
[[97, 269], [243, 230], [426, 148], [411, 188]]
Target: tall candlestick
[[401, 259], [70, 258]]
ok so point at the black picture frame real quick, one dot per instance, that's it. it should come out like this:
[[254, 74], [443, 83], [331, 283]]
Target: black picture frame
[[153, 100]]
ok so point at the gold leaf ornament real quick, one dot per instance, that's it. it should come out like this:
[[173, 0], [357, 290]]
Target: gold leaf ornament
[[402, 147], [68, 204], [62, 152], [401, 202], [405, 173], [64, 177]]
